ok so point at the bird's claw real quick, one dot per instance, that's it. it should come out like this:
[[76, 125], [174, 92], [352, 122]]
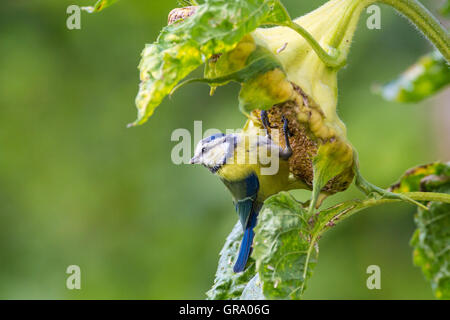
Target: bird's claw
[[286, 129], [287, 152], [265, 122]]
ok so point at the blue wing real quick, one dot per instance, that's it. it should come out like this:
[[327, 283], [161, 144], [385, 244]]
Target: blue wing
[[246, 244], [245, 193]]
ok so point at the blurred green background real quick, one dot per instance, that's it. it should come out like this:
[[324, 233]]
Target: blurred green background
[[77, 187]]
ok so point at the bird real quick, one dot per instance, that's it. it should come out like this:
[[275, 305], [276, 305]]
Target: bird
[[242, 162]]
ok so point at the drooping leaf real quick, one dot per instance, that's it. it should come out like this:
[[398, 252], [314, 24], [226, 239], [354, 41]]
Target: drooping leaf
[[431, 240], [412, 179], [256, 69], [285, 249], [423, 79], [284, 252], [258, 62], [227, 284], [99, 6], [215, 27], [332, 159]]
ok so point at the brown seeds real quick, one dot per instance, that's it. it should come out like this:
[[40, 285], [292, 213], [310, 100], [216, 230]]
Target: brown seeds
[[304, 142]]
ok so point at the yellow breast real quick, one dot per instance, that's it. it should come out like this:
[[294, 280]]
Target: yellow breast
[[268, 184]]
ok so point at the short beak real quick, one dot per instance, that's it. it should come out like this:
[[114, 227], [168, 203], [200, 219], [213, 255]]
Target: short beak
[[193, 160]]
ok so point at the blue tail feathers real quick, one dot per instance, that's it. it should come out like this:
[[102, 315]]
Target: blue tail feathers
[[246, 244]]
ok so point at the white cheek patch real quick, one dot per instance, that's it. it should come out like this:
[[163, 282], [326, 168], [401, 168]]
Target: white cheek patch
[[217, 155], [224, 152]]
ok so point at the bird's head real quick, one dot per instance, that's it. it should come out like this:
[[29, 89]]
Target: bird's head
[[213, 152]]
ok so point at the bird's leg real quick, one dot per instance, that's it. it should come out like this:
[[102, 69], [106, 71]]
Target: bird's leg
[[265, 122], [287, 151]]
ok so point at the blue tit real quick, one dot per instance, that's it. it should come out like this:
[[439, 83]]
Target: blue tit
[[229, 157]]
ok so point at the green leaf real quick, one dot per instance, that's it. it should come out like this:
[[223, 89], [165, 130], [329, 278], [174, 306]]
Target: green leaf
[[430, 74], [99, 6], [215, 27], [227, 284], [259, 73], [412, 179], [259, 61], [253, 290], [431, 240], [331, 160], [284, 250]]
